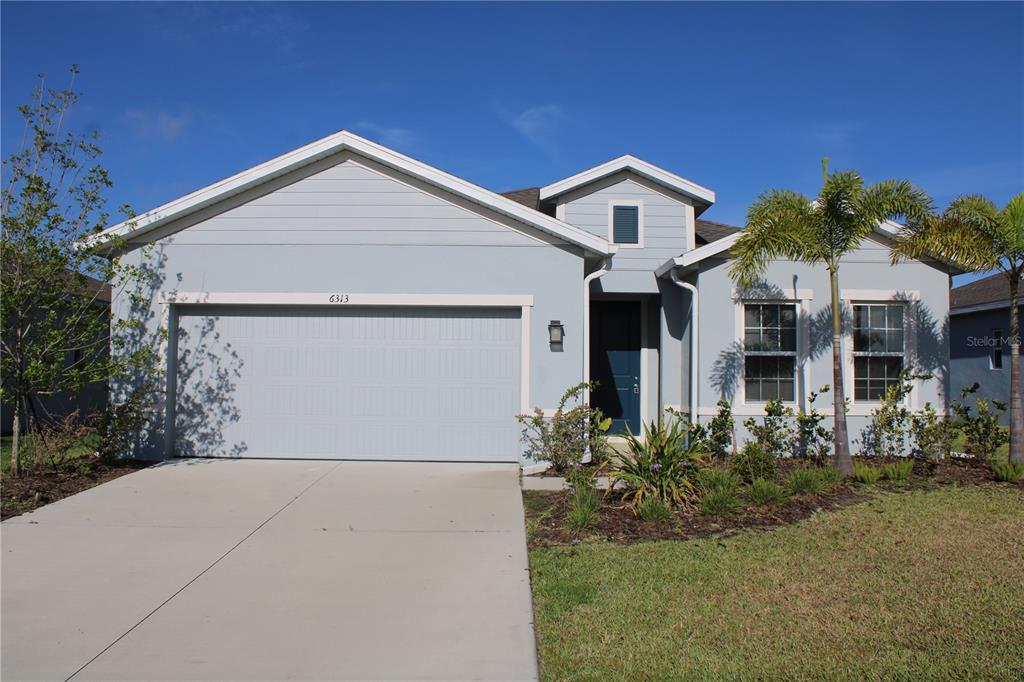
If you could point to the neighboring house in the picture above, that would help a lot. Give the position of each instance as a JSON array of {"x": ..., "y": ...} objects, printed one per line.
[
  {"x": 91, "y": 400},
  {"x": 979, "y": 338},
  {"x": 346, "y": 301}
]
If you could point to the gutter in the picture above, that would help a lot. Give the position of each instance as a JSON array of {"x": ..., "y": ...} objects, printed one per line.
[
  {"x": 602, "y": 270},
  {"x": 694, "y": 339}
]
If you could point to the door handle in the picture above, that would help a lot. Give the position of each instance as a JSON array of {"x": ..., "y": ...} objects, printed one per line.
[{"x": 636, "y": 388}]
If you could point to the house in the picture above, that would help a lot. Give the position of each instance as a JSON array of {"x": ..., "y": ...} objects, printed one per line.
[
  {"x": 979, "y": 338},
  {"x": 92, "y": 398},
  {"x": 346, "y": 301}
]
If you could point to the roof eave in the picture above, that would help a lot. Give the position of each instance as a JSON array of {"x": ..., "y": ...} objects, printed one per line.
[{"x": 670, "y": 180}]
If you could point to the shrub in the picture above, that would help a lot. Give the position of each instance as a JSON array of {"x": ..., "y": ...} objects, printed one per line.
[
  {"x": 897, "y": 472},
  {"x": 569, "y": 434},
  {"x": 933, "y": 437},
  {"x": 653, "y": 509},
  {"x": 886, "y": 433},
  {"x": 865, "y": 473},
  {"x": 805, "y": 480},
  {"x": 719, "y": 501},
  {"x": 715, "y": 437},
  {"x": 584, "y": 505},
  {"x": 714, "y": 478},
  {"x": 55, "y": 443},
  {"x": 122, "y": 422},
  {"x": 830, "y": 476},
  {"x": 773, "y": 434},
  {"x": 983, "y": 434},
  {"x": 766, "y": 493},
  {"x": 811, "y": 440},
  {"x": 754, "y": 462},
  {"x": 662, "y": 465},
  {"x": 1008, "y": 471}
]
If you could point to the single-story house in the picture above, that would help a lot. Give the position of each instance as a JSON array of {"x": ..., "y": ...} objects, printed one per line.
[
  {"x": 347, "y": 301},
  {"x": 979, "y": 338}
]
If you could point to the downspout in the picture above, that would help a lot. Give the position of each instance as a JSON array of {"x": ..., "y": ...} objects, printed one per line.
[
  {"x": 602, "y": 270},
  {"x": 694, "y": 339}
]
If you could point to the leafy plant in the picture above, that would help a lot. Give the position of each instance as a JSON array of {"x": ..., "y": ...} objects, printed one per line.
[
  {"x": 983, "y": 434},
  {"x": 811, "y": 440},
  {"x": 653, "y": 509},
  {"x": 719, "y": 491},
  {"x": 57, "y": 441},
  {"x": 933, "y": 437},
  {"x": 121, "y": 422},
  {"x": 1008, "y": 471},
  {"x": 823, "y": 231},
  {"x": 897, "y": 472},
  {"x": 714, "y": 478},
  {"x": 766, "y": 493},
  {"x": 715, "y": 437},
  {"x": 805, "y": 480},
  {"x": 773, "y": 434},
  {"x": 571, "y": 432},
  {"x": 887, "y": 433},
  {"x": 865, "y": 473},
  {"x": 752, "y": 461},
  {"x": 584, "y": 504},
  {"x": 662, "y": 465}
]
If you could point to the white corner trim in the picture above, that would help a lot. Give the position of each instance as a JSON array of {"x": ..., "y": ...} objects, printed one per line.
[
  {"x": 524, "y": 358},
  {"x": 343, "y": 299},
  {"x": 328, "y": 146},
  {"x": 638, "y": 166},
  {"x": 639, "y": 204}
]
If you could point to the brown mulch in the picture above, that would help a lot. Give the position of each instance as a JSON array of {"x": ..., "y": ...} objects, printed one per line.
[
  {"x": 42, "y": 485},
  {"x": 617, "y": 522}
]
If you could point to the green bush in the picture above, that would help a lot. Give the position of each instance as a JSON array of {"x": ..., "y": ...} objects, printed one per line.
[
  {"x": 714, "y": 478},
  {"x": 1008, "y": 471},
  {"x": 806, "y": 480},
  {"x": 720, "y": 501},
  {"x": 715, "y": 437},
  {"x": 934, "y": 436},
  {"x": 983, "y": 434},
  {"x": 754, "y": 461},
  {"x": 766, "y": 493},
  {"x": 570, "y": 433},
  {"x": 897, "y": 472},
  {"x": 663, "y": 464},
  {"x": 584, "y": 504},
  {"x": 653, "y": 509},
  {"x": 773, "y": 434},
  {"x": 865, "y": 473}
]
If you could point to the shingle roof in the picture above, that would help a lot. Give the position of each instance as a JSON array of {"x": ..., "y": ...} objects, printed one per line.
[
  {"x": 709, "y": 231},
  {"x": 991, "y": 289},
  {"x": 529, "y": 197}
]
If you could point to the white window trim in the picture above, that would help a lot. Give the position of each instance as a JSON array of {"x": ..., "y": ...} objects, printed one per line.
[
  {"x": 801, "y": 298},
  {"x": 850, "y": 297},
  {"x": 612, "y": 203},
  {"x": 170, "y": 301}
]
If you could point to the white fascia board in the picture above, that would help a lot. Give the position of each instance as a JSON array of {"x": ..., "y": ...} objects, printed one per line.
[
  {"x": 628, "y": 162},
  {"x": 980, "y": 307},
  {"x": 334, "y": 144},
  {"x": 691, "y": 258}
]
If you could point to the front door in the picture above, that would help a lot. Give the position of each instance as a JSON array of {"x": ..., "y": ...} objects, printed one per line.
[{"x": 615, "y": 362}]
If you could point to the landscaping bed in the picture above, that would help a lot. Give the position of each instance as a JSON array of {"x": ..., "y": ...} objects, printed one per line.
[{"x": 39, "y": 485}]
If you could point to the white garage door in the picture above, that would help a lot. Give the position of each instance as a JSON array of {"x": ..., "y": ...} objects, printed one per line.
[{"x": 351, "y": 383}]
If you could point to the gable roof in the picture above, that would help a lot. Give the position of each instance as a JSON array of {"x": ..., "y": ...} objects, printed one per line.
[
  {"x": 989, "y": 292},
  {"x": 691, "y": 189},
  {"x": 334, "y": 144},
  {"x": 529, "y": 197},
  {"x": 709, "y": 231}
]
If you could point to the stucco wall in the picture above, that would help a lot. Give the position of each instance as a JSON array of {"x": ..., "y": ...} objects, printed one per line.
[
  {"x": 866, "y": 275},
  {"x": 349, "y": 225}
]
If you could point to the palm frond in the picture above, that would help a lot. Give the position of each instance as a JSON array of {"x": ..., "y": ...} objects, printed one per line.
[
  {"x": 947, "y": 239},
  {"x": 780, "y": 224},
  {"x": 1013, "y": 219}
]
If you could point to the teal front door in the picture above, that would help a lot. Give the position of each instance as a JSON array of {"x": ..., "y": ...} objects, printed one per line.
[{"x": 615, "y": 362}]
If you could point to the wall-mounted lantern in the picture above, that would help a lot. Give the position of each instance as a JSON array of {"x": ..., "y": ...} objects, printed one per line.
[{"x": 556, "y": 332}]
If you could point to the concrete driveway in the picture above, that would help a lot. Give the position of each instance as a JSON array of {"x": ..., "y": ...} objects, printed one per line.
[{"x": 273, "y": 570}]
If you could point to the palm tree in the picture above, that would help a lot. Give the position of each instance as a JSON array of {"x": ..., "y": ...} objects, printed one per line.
[
  {"x": 789, "y": 225},
  {"x": 972, "y": 234}
]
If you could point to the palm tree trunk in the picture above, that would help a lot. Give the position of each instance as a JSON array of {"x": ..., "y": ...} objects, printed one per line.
[
  {"x": 841, "y": 438},
  {"x": 1016, "y": 403}
]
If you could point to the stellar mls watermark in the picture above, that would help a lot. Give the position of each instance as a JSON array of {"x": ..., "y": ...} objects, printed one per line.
[{"x": 989, "y": 341}]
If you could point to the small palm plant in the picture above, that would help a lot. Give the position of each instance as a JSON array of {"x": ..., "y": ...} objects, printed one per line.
[
  {"x": 663, "y": 465},
  {"x": 786, "y": 224},
  {"x": 973, "y": 234}
]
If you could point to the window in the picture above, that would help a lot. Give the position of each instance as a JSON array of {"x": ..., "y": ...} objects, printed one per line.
[
  {"x": 626, "y": 224},
  {"x": 877, "y": 349},
  {"x": 769, "y": 351},
  {"x": 995, "y": 360}
]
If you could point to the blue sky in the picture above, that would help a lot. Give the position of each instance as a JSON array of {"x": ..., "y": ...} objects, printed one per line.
[{"x": 737, "y": 97}]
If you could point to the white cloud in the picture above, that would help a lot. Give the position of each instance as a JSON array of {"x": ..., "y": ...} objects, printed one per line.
[
  {"x": 389, "y": 136},
  {"x": 157, "y": 125},
  {"x": 540, "y": 123}
]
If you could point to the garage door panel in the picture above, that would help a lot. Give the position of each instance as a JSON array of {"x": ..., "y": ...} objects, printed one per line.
[{"x": 439, "y": 384}]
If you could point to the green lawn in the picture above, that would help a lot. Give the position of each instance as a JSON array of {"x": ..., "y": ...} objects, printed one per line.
[{"x": 916, "y": 585}]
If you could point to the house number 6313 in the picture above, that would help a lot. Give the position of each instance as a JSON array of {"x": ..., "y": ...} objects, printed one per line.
[{"x": 338, "y": 298}]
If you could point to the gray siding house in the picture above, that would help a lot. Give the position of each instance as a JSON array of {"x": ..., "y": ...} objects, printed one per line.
[
  {"x": 979, "y": 338},
  {"x": 346, "y": 301}
]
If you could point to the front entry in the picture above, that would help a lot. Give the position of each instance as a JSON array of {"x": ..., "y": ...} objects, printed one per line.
[{"x": 615, "y": 362}]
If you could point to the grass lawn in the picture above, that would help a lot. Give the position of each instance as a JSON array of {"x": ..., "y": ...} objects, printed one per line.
[{"x": 927, "y": 584}]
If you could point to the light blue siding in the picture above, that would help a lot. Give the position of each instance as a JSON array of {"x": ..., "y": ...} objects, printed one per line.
[{"x": 970, "y": 354}]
